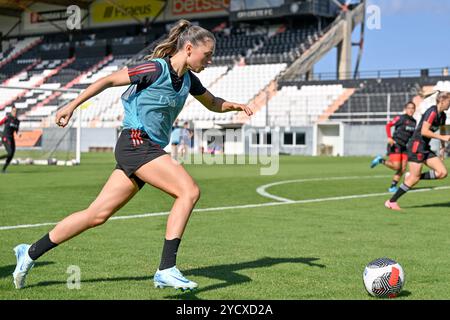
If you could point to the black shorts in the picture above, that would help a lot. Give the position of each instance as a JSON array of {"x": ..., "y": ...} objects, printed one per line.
[
  {"x": 419, "y": 152},
  {"x": 396, "y": 149},
  {"x": 134, "y": 149}
]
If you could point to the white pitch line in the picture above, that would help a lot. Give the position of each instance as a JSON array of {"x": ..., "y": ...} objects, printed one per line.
[
  {"x": 246, "y": 206},
  {"x": 261, "y": 190}
]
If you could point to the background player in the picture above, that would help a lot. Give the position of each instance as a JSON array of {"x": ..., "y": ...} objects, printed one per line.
[
  {"x": 404, "y": 126},
  {"x": 419, "y": 149},
  {"x": 11, "y": 126}
]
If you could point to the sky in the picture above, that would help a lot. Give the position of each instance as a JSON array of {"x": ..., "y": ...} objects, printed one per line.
[{"x": 410, "y": 34}]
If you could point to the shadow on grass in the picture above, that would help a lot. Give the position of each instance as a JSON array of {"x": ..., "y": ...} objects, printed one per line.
[
  {"x": 6, "y": 271},
  {"x": 226, "y": 273},
  {"x": 402, "y": 294},
  {"x": 433, "y": 205}
]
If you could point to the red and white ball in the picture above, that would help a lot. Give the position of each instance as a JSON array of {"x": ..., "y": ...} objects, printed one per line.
[{"x": 384, "y": 278}]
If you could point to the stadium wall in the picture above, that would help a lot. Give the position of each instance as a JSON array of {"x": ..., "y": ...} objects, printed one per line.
[
  {"x": 364, "y": 140},
  {"x": 90, "y": 138},
  {"x": 369, "y": 140},
  {"x": 277, "y": 137},
  {"x": 98, "y": 138}
]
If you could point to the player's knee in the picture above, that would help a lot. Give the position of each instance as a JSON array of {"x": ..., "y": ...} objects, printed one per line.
[
  {"x": 98, "y": 217},
  {"x": 192, "y": 193},
  {"x": 195, "y": 193},
  {"x": 97, "y": 221},
  {"x": 441, "y": 174}
]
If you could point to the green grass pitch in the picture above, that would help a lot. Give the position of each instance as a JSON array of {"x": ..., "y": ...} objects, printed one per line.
[{"x": 299, "y": 250}]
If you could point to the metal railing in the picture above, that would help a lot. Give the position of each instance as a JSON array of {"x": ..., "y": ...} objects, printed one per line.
[{"x": 381, "y": 74}]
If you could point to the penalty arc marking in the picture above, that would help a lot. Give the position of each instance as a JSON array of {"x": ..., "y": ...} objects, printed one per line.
[{"x": 262, "y": 189}]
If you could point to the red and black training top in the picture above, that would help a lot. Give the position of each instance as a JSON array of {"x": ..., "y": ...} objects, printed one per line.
[
  {"x": 435, "y": 119},
  {"x": 146, "y": 73},
  {"x": 11, "y": 125},
  {"x": 404, "y": 129}
]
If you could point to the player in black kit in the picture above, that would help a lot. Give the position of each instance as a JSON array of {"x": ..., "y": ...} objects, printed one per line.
[
  {"x": 11, "y": 125},
  {"x": 404, "y": 126},
  {"x": 419, "y": 150}
]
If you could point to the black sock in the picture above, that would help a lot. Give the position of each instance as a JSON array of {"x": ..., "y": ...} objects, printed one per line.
[
  {"x": 401, "y": 191},
  {"x": 430, "y": 175},
  {"x": 394, "y": 183},
  {"x": 6, "y": 164},
  {"x": 169, "y": 254},
  {"x": 40, "y": 247}
]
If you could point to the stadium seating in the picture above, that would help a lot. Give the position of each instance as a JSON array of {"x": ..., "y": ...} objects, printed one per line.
[
  {"x": 69, "y": 72},
  {"x": 293, "y": 106},
  {"x": 75, "y": 61},
  {"x": 231, "y": 46},
  {"x": 375, "y": 100},
  {"x": 16, "y": 48},
  {"x": 207, "y": 77},
  {"x": 240, "y": 84},
  {"x": 262, "y": 47},
  {"x": 14, "y": 60},
  {"x": 285, "y": 46}
]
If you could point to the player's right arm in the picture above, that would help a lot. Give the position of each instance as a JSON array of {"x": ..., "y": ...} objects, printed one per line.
[
  {"x": 115, "y": 79},
  {"x": 389, "y": 125},
  {"x": 426, "y": 132}
]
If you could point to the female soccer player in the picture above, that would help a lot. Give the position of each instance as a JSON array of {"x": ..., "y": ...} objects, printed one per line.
[
  {"x": 419, "y": 150},
  {"x": 11, "y": 125},
  {"x": 404, "y": 125},
  {"x": 156, "y": 96}
]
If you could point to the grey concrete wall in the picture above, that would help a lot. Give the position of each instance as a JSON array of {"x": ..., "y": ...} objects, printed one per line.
[{"x": 364, "y": 140}]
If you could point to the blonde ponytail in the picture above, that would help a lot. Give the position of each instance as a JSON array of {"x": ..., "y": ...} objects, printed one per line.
[
  {"x": 182, "y": 32},
  {"x": 442, "y": 95}
]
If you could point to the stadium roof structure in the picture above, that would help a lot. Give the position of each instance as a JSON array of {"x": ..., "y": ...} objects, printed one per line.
[{"x": 14, "y": 8}]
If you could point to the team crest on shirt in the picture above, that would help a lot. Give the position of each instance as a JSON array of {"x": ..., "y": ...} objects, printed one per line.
[
  {"x": 171, "y": 102},
  {"x": 168, "y": 101}
]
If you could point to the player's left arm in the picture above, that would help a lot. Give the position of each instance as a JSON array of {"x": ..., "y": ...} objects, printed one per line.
[{"x": 217, "y": 104}]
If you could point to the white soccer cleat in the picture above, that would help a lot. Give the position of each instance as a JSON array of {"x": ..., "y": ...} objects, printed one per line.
[
  {"x": 24, "y": 264},
  {"x": 172, "y": 277}
]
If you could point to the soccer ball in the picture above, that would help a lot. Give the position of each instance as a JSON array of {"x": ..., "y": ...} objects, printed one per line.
[{"x": 384, "y": 278}]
